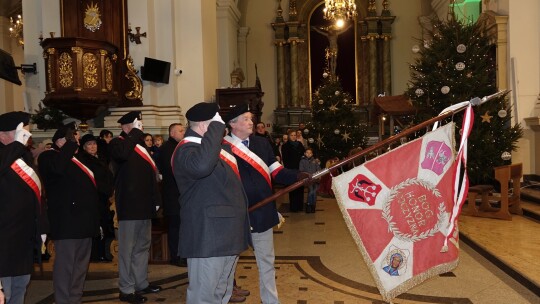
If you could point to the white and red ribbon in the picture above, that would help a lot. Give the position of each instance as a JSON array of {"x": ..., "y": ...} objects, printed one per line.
[
  {"x": 29, "y": 176},
  {"x": 224, "y": 155},
  {"x": 146, "y": 156},
  {"x": 85, "y": 169},
  {"x": 253, "y": 159}
]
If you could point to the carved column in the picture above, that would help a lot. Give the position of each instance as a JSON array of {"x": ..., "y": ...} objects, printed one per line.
[
  {"x": 293, "y": 40},
  {"x": 386, "y": 34},
  {"x": 372, "y": 35},
  {"x": 279, "y": 27},
  {"x": 242, "y": 48}
]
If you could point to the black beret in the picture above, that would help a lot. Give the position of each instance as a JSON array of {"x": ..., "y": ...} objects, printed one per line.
[
  {"x": 130, "y": 117},
  {"x": 9, "y": 121},
  {"x": 236, "y": 111},
  {"x": 202, "y": 111},
  {"x": 61, "y": 132},
  {"x": 86, "y": 138}
]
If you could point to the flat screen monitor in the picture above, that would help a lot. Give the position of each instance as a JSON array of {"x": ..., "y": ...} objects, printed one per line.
[
  {"x": 8, "y": 70},
  {"x": 155, "y": 70}
]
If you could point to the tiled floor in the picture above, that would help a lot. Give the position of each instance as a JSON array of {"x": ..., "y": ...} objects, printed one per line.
[{"x": 317, "y": 262}]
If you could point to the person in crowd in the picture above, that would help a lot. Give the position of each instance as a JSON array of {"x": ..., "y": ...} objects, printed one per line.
[
  {"x": 137, "y": 201},
  {"x": 104, "y": 182},
  {"x": 20, "y": 187},
  {"x": 276, "y": 146},
  {"x": 158, "y": 142},
  {"x": 260, "y": 130},
  {"x": 148, "y": 141},
  {"x": 171, "y": 206},
  {"x": 258, "y": 167},
  {"x": 311, "y": 165},
  {"x": 73, "y": 209},
  {"x": 105, "y": 137},
  {"x": 292, "y": 152},
  {"x": 214, "y": 223},
  {"x": 300, "y": 138}
]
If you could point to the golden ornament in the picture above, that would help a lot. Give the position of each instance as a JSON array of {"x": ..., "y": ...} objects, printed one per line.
[
  {"x": 92, "y": 20},
  {"x": 486, "y": 117}
]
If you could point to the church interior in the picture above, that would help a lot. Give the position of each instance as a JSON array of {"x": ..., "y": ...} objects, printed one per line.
[{"x": 96, "y": 60}]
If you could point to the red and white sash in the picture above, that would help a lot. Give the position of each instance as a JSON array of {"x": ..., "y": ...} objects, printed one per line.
[
  {"x": 29, "y": 176},
  {"x": 240, "y": 150},
  {"x": 144, "y": 154},
  {"x": 85, "y": 169},
  {"x": 224, "y": 155}
]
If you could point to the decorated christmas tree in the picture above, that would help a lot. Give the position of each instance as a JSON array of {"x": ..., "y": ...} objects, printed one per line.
[
  {"x": 456, "y": 63},
  {"x": 334, "y": 129}
]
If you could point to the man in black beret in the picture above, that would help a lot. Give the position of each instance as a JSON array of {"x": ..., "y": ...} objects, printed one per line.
[
  {"x": 73, "y": 210},
  {"x": 258, "y": 166},
  {"x": 137, "y": 200},
  {"x": 21, "y": 196},
  {"x": 214, "y": 225}
]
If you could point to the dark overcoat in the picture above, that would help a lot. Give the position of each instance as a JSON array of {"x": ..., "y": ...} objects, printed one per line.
[
  {"x": 136, "y": 189},
  {"x": 213, "y": 212},
  {"x": 18, "y": 214},
  {"x": 256, "y": 186},
  {"x": 72, "y": 196},
  {"x": 170, "y": 193}
]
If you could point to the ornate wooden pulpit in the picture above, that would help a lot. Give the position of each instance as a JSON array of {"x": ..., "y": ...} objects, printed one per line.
[{"x": 79, "y": 76}]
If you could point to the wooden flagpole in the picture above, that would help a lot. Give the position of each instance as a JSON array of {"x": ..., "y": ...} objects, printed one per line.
[{"x": 445, "y": 114}]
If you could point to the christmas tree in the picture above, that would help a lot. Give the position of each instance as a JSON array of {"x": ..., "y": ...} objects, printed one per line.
[
  {"x": 456, "y": 63},
  {"x": 334, "y": 129}
]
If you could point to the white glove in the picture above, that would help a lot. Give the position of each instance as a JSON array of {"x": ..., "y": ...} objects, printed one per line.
[
  {"x": 217, "y": 118},
  {"x": 43, "y": 238},
  {"x": 21, "y": 134},
  {"x": 157, "y": 208},
  {"x": 137, "y": 124}
]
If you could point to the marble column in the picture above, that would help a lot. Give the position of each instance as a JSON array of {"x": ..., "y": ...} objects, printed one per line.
[
  {"x": 243, "y": 32},
  {"x": 282, "y": 101}
]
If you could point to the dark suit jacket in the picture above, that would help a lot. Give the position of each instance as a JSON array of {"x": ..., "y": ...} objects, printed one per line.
[
  {"x": 257, "y": 188},
  {"x": 213, "y": 213},
  {"x": 136, "y": 188},
  {"x": 171, "y": 206},
  {"x": 72, "y": 198},
  {"x": 18, "y": 213}
]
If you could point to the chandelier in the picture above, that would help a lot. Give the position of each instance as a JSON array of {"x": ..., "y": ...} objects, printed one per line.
[
  {"x": 339, "y": 10},
  {"x": 16, "y": 29}
]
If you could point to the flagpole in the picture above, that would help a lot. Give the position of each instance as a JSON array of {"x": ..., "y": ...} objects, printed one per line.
[{"x": 448, "y": 112}]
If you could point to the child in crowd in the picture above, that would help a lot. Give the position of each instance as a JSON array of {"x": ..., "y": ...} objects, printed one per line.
[{"x": 310, "y": 165}]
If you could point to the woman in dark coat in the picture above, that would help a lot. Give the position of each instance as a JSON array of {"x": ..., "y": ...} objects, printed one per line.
[
  {"x": 292, "y": 151},
  {"x": 104, "y": 182}
]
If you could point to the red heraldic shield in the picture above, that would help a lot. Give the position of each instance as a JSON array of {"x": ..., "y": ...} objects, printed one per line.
[{"x": 398, "y": 208}]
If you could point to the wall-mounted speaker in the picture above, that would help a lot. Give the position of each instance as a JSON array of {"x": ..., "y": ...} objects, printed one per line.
[{"x": 155, "y": 70}]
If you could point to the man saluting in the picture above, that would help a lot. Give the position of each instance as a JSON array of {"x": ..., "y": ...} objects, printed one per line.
[
  {"x": 214, "y": 227},
  {"x": 21, "y": 193}
]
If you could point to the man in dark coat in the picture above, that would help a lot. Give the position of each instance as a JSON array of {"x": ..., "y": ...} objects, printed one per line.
[
  {"x": 258, "y": 167},
  {"x": 291, "y": 153},
  {"x": 73, "y": 209},
  {"x": 20, "y": 188},
  {"x": 214, "y": 224},
  {"x": 171, "y": 206},
  {"x": 137, "y": 200}
]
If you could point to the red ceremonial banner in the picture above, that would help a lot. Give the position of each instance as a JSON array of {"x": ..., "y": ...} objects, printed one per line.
[{"x": 401, "y": 209}]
